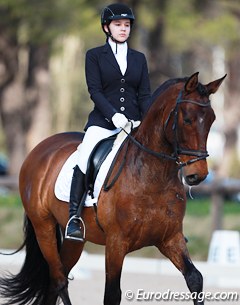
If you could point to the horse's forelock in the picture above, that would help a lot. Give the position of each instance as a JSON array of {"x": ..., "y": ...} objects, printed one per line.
[{"x": 202, "y": 90}]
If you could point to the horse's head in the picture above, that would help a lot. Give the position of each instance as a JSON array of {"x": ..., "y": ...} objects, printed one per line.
[{"x": 187, "y": 126}]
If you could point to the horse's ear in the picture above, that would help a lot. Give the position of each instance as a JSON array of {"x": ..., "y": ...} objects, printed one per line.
[
  {"x": 192, "y": 83},
  {"x": 213, "y": 86}
]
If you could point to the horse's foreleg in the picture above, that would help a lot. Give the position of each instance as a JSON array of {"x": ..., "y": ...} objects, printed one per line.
[
  {"x": 194, "y": 281},
  {"x": 115, "y": 253},
  {"x": 176, "y": 250}
]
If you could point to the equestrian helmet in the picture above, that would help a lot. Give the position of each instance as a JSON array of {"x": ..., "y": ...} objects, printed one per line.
[{"x": 116, "y": 11}]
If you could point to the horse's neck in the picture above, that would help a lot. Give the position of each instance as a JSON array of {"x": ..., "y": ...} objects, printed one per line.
[{"x": 151, "y": 131}]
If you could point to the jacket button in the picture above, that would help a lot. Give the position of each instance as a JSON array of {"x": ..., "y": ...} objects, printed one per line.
[
  {"x": 122, "y": 108},
  {"x": 123, "y": 80},
  {"x": 122, "y": 89},
  {"x": 122, "y": 99}
]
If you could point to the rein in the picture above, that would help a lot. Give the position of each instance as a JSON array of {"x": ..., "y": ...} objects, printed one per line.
[{"x": 148, "y": 150}]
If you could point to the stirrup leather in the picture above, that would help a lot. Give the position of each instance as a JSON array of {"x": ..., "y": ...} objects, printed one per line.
[{"x": 82, "y": 225}]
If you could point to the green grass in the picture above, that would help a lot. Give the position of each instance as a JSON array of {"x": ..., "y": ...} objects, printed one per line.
[
  {"x": 198, "y": 207},
  {"x": 11, "y": 221},
  {"x": 10, "y": 201},
  {"x": 202, "y": 207},
  {"x": 197, "y": 226}
]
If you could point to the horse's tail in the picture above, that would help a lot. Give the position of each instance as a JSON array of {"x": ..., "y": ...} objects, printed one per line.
[{"x": 31, "y": 284}]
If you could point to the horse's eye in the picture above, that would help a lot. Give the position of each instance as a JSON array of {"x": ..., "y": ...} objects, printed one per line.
[{"x": 187, "y": 121}]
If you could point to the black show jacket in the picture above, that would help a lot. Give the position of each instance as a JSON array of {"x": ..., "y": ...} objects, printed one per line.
[{"x": 113, "y": 92}]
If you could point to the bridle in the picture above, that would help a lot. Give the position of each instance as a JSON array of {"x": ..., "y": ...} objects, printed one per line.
[
  {"x": 199, "y": 154},
  {"x": 178, "y": 151}
]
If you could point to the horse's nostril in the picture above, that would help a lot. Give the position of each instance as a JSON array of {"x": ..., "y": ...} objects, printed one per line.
[{"x": 192, "y": 179}]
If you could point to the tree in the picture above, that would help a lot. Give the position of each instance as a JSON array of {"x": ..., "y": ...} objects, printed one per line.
[
  {"x": 24, "y": 82},
  {"x": 28, "y": 30}
]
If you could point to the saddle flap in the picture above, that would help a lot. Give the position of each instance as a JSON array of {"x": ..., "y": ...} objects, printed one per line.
[{"x": 97, "y": 157}]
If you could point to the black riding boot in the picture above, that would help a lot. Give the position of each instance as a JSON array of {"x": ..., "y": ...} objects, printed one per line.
[{"x": 75, "y": 228}]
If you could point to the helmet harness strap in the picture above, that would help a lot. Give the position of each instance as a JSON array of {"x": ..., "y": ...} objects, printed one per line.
[{"x": 109, "y": 35}]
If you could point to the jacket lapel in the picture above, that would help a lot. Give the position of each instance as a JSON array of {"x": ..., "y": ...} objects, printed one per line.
[
  {"x": 130, "y": 61},
  {"x": 110, "y": 57}
]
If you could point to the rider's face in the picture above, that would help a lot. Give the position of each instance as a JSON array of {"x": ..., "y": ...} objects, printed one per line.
[{"x": 120, "y": 29}]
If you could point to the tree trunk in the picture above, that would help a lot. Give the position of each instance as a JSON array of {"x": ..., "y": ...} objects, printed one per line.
[
  {"x": 231, "y": 160},
  {"x": 24, "y": 97},
  {"x": 38, "y": 96},
  {"x": 11, "y": 99}
]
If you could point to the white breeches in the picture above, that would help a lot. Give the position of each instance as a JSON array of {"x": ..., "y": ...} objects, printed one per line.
[{"x": 93, "y": 135}]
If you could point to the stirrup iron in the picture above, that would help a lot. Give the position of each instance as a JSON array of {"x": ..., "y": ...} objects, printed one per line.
[{"x": 81, "y": 225}]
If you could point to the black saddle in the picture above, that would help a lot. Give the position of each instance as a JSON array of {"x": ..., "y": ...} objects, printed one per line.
[{"x": 96, "y": 159}]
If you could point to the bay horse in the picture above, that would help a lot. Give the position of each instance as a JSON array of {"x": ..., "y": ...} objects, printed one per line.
[{"x": 144, "y": 207}]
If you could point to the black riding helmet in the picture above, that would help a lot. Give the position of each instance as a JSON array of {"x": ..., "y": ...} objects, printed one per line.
[{"x": 116, "y": 11}]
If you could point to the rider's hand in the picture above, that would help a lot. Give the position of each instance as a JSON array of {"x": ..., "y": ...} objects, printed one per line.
[
  {"x": 135, "y": 123},
  {"x": 119, "y": 120}
]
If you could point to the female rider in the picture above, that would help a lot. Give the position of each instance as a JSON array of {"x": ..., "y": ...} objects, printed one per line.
[{"x": 118, "y": 83}]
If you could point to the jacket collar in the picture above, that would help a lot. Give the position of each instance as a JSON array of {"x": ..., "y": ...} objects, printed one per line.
[{"x": 112, "y": 60}]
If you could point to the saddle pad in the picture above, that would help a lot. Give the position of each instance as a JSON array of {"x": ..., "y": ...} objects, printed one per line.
[{"x": 64, "y": 179}]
